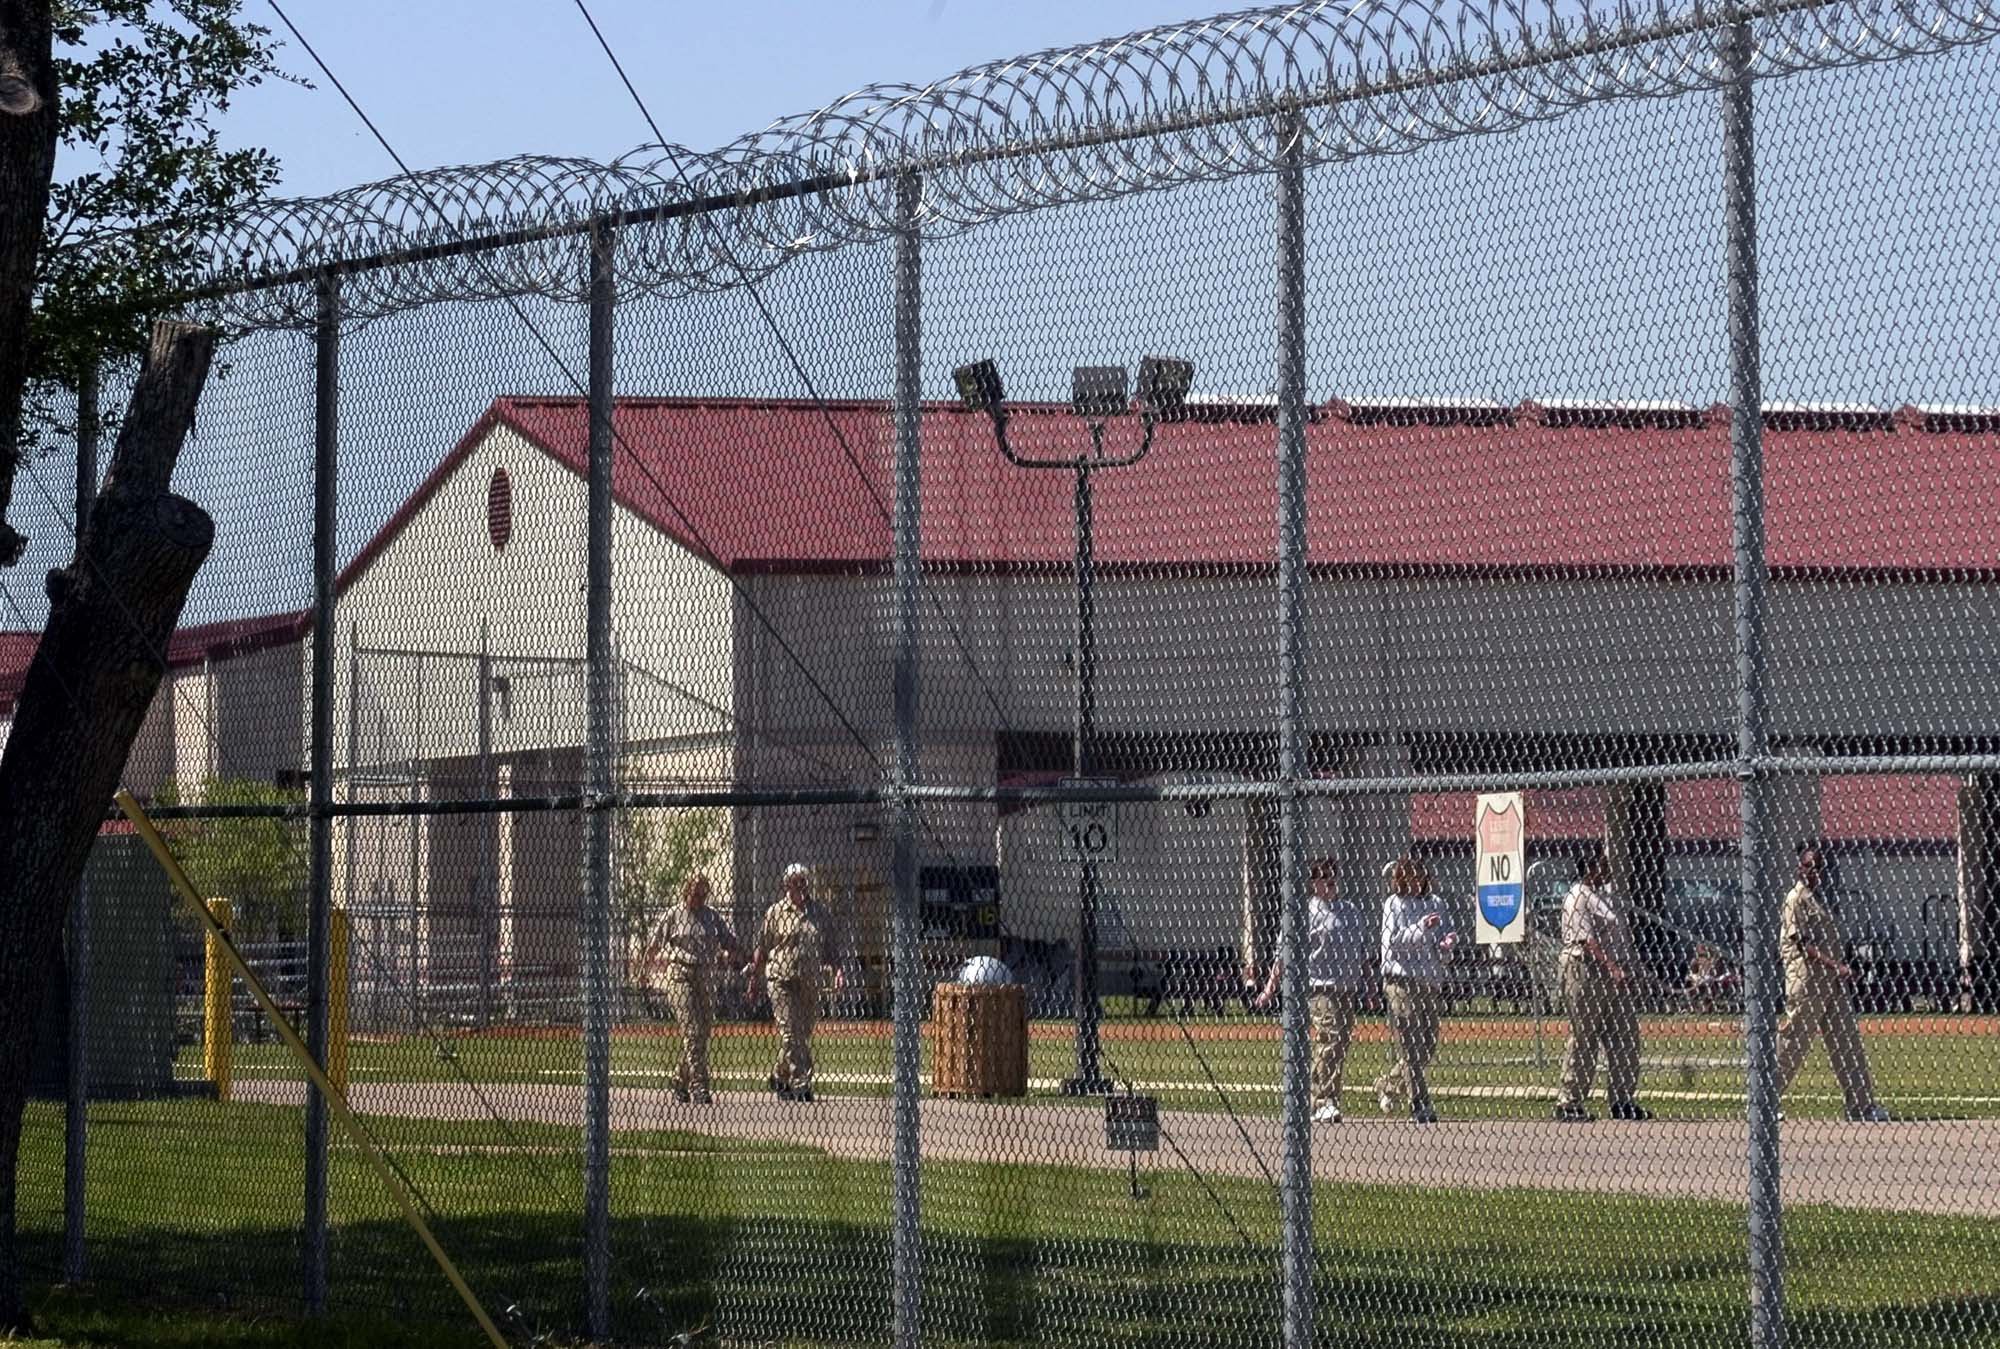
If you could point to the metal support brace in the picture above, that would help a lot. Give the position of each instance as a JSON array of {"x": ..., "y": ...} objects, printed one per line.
[
  {"x": 1755, "y": 877},
  {"x": 1295, "y": 1169},
  {"x": 596, "y": 819},
  {"x": 319, "y": 903},
  {"x": 907, "y": 970}
]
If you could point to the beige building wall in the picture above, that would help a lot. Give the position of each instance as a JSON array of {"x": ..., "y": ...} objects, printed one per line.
[
  {"x": 480, "y": 893},
  {"x": 151, "y": 764},
  {"x": 441, "y": 586}
]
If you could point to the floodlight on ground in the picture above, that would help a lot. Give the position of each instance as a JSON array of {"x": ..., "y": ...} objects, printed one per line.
[
  {"x": 1163, "y": 386},
  {"x": 979, "y": 387},
  {"x": 1097, "y": 391}
]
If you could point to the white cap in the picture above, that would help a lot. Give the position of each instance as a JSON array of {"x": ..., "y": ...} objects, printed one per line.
[{"x": 797, "y": 869}]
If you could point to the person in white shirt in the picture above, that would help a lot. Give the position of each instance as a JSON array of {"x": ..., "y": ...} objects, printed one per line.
[
  {"x": 1598, "y": 965},
  {"x": 1417, "y": 939},
  {"x": 1336, "y": 972}
]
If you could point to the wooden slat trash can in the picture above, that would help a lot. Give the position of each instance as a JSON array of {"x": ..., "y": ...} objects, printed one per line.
[{"x": 979, "y": 1040}]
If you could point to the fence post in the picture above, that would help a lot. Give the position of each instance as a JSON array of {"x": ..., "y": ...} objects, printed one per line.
[
  {"x": 485, "y": 891},
  {"x": 319, "y": 903},
  {"x": 1758, "y": 896},
  {"x": 338, "y": 970},
  {"x": 907, "y": 992},
  {"x": 76, "y": 1093},
  {"x": 597, "y": 792},
  {"x": 218, "y": 1026},
  {"x": 1295, "y": 1183}
]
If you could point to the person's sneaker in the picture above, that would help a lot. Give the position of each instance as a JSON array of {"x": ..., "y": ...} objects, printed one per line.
[
  {"x": 1631, "y": 1110},
  {"x": 1382, "y": 1100},
  {"x": 802, "y": 1094},
  {"x": 702, "y": 1097},
  {"x": 680, "y": 1091},
  {"x": 779, "y": 1089},
  {"x": 1328, "y": 1113},
  {"x": 1874, "y": 1114},
  {"x": 1573, "y": 1114},
  {"x": 1423, "y": 1114}
]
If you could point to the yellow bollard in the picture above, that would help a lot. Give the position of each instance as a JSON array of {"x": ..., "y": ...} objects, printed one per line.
[
  {"x": 336, "y": 1001},
  {"x": 218, "y": 1029}
]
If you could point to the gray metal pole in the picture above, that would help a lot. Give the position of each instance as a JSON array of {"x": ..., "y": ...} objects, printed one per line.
[
  {"x": 485, "y": 879},
  {"x": 319, "y": 903},
  {"x": 907, "y": 993},
  {"x": 1295, "y": 1167},
  {"x": 76, "y": 1097},
  {"x": 419, "y": 880},
  {"x": 597, "y": 819},
  {"x": 1758, "y": 894},
  {"x": 1089, "y": 1008},
  {"x": 351, "y": 846}
]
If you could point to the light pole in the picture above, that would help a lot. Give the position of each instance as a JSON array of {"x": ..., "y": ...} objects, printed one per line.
[{"x": 1097, "y": 394}]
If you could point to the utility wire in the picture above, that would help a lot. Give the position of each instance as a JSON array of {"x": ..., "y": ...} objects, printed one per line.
[
  {"x": 749, "y": 284},
  {"x": 541, "y": 340}
]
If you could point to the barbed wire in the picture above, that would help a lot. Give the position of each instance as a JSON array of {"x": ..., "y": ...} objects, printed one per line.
[{"x": 1154, "y": 109}]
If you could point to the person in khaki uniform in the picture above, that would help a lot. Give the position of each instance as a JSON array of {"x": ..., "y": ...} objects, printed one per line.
[
  {"x": 1336, "y": 969},
  {"x": 1817, "y": 997},
  {"x": 795, "y": 943},
  {"x": 1597, "y": 965},
  {"x": 1417, "y": 938},
  {"x": 689, "y": 942}
]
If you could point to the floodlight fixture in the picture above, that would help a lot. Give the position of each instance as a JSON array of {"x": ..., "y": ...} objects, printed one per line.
[
  {"x": 979, "y": 387},
  {"x": 1097, "y": 391},
  {"x": 1163, "y": 386}
]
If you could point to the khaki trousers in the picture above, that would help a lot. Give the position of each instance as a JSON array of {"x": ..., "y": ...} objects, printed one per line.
[
  {"x": 1817, "y": 1003},
  {"x": 795, "y": 1007},
  {"x": 1414, "y": 1011},
  {"x": 693, "y": 1006},
  {"x": 1602, "y": 1016},
  {"x": 1333, "y": 1025}
]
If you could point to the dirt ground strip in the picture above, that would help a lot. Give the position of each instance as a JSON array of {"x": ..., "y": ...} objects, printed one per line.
[{"x": 1950, "y": 1167}]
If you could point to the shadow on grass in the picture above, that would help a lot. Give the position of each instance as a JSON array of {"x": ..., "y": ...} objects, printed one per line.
[{"x": 775, "y": 1280}]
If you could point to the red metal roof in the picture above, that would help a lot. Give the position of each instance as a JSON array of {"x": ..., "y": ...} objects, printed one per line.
[
  {"x": 1902, "y": 809},
  {"x": 189, "y": 646},
  {"x": 16, "y": 650},
  {"x": 779, "y": 484}
]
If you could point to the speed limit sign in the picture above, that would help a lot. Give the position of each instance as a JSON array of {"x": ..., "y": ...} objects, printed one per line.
[{"x": 1091, "y": 827}]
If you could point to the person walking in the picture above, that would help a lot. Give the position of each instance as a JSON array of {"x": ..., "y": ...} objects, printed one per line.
[
  {"x": 795, "y": 944},
  {"x": 1597, "y": 967},
  {"x": 1336, "y": 969},
  {"x": 1417, "y": 938},
  {"x": 1818, "y": 997},
  {"x": 690, "y": 942}
]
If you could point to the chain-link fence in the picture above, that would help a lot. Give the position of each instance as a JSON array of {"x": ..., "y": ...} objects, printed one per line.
[{"x": 1070, "y": 706}]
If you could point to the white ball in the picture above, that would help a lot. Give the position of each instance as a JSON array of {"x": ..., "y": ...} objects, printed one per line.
[{"x": 984, "y": 970}]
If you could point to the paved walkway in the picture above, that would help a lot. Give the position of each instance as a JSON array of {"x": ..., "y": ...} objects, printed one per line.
[{"x": 1923, "y": 1167}]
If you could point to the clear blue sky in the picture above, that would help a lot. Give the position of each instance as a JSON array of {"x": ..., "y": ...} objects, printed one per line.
[
  {"x": 1579, "y": 257},
  {"x": 466, "y": 81}
]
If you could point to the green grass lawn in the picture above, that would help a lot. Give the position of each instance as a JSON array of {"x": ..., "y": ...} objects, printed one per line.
[
  {"x": 1693, "y": 1064},
  {"x": 194, "y": 1209}
]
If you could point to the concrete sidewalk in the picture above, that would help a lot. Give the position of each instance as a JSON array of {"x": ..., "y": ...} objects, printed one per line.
[{"x": 1921, "y": 1167}]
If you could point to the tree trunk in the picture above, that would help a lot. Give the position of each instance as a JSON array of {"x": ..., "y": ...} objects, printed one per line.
[
  {"x": 28, "y": 107},
  {"x": 86, "y": 694}
]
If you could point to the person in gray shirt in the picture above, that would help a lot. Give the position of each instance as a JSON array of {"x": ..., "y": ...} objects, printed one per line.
[
  {"x": 1337, "y": 952},
  {"x": 1417, "y": 938}
]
